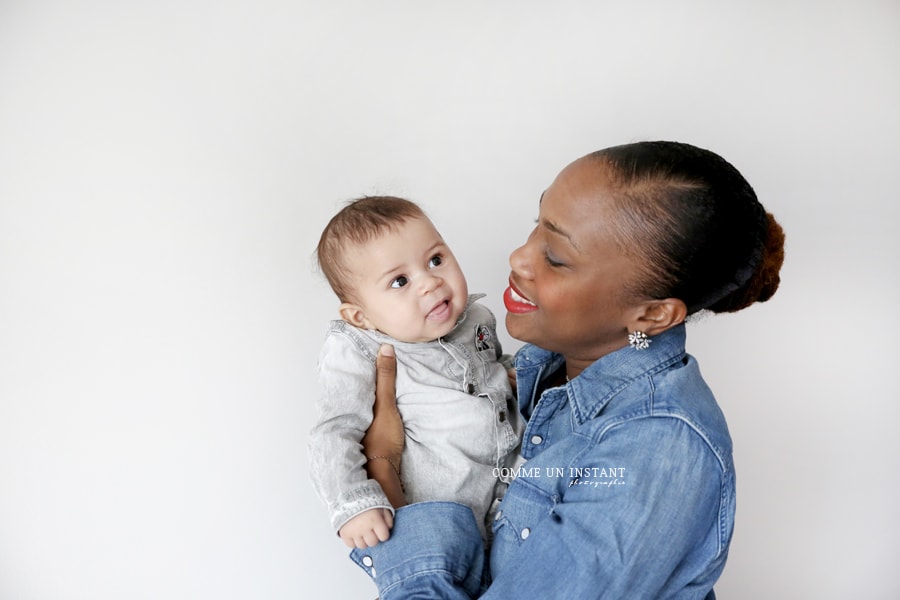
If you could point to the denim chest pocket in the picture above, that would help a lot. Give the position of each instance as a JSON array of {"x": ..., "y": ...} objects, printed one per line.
[{"x": 523, "y": 507}]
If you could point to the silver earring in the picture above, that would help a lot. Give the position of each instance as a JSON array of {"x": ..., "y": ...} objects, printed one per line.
[{"x": 639, "y": 340}]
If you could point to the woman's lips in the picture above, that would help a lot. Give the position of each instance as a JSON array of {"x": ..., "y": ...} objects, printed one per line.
[{"x": 517, "y": 303}]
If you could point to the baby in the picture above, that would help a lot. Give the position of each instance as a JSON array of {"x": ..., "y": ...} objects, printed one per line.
[{"x": 399, "y": 283}]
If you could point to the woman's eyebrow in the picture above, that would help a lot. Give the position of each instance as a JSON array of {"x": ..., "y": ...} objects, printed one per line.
[{"x": 554, "y": 228}]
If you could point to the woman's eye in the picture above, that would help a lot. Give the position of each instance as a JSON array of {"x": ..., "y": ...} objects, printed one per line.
[
  {"x": 552, "y": 261},
  {"x": 435, "y": 261},
  {"x": 399, "y": 282}
]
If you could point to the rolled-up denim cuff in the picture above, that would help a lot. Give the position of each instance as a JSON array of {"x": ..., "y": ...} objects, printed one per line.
[{"x": 435, "y": 551}]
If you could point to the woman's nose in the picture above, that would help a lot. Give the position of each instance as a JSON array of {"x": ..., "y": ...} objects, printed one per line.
[{"x": 520, "y": 263}]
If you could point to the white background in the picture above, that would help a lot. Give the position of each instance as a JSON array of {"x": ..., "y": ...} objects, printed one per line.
[{"x": 166, "y": 168}]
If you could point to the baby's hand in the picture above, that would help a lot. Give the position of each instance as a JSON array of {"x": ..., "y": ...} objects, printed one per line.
[{"x": 367, "y": 528}]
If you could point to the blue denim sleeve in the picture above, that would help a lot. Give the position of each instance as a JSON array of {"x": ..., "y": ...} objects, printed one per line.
[{"x": 435, "y": 551}]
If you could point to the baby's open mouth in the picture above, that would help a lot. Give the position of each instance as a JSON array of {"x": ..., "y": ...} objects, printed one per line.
[{"x": 440, "y": 312}]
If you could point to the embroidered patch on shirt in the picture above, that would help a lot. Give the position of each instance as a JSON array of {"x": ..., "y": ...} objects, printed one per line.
[{"x": 482, "y": 338}]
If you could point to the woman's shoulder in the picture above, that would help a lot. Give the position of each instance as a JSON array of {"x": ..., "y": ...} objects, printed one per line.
[
  {"x": 668, "y": 435},
  {"x": 682, "y": 393},
  {"x": 669, "y": 405},
  {"x": 663, "y": 433}
]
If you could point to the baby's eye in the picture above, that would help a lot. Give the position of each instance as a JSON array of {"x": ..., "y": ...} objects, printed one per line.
[
  {"x": 399, "y": 282},
  {"x": 435, "y": 261}
]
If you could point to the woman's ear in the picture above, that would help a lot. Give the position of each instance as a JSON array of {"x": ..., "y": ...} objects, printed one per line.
[
  {"x": 354, "y": 314},
  {"x": 657, "y": 316}
]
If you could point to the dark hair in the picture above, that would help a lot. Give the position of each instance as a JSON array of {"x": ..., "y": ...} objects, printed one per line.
[
  {"x": 696, "y": 224},
  {"x": 357, "y": 223}
]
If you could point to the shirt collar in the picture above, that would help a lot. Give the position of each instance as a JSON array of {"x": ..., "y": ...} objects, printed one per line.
[
  {"x": 457, "y": 331},
  {"x": 604, "y": 378}
]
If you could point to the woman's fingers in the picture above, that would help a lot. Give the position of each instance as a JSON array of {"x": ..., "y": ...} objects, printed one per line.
[
  {"x": 385, "y": 378},
  {"x": 385, "y": 436}
]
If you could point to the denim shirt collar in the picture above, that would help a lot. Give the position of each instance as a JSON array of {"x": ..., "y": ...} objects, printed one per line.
[{"x": 604, "y": 378}]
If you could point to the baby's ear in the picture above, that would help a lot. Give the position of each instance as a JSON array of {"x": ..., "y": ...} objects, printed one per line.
[{"x": 353, "y": 314}]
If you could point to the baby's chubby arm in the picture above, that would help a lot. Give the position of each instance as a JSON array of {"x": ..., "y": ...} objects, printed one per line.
[
  {"x": 367, "y": 528},
  {"x": 383, "y": 441},
  {"x": 345, "y": 410}
]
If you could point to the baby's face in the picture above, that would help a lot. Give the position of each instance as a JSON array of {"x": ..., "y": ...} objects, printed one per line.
[{"x": 407, "y": 283}]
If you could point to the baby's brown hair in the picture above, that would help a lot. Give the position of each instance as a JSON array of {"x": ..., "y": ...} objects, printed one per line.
[{"x": 358, "y": 222}]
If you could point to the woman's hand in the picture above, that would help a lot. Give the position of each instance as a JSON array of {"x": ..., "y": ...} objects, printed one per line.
[{"x": 384, "y": 440}]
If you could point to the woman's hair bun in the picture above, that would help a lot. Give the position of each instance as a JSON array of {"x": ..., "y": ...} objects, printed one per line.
[{"x": 765, "y": 280}]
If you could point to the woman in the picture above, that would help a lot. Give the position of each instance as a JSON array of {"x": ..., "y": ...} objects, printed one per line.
[{"x": 628, "y": 488}]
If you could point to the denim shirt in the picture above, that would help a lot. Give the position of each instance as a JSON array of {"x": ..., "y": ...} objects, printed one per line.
[
  {"x": 458, "y": 411},
  {"x": 628, "y": 492}
]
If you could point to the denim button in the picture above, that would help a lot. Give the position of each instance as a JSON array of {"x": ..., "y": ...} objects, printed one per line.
[
  {"x": 525, "y": 533},
  {"x": 502, "y": 416},
  {"x": 470, "y": 388},
  {"x": 536, "y": 439},
  {"x": 367, "y": 560}
]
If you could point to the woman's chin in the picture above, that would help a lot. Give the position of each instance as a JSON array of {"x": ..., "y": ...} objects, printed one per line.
[{"x": 516, "y": 327}]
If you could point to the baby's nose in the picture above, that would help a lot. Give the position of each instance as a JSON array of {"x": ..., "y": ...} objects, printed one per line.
[{"x": 430, "y": 283}]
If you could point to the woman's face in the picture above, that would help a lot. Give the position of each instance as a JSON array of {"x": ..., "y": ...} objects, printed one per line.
[{"x": 567, "y": 284}]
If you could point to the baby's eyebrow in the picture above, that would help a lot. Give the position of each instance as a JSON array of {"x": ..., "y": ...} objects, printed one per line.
[
  {"x": 391, "y": 272},
  {"x": 439, "y": 244}
]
